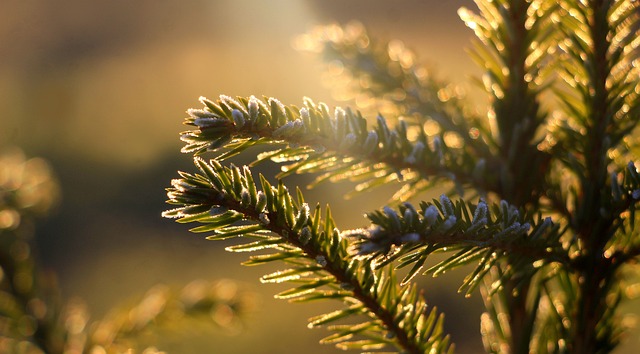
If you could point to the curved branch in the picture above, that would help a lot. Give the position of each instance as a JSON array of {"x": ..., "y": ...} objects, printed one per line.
[
  {"x": 388, "y": 71},
  {"x": 342, "y": 145},
  {"x": 221, "y": 197},
  {"x": 411, "y": 235}
]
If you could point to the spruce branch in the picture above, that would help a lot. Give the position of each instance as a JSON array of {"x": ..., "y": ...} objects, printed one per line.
[
  {"x": 339, "y": 146},
  {"x": 474, "y": 232},
  {"x": 601, "y": 72},
  {"x": 515, "y": 42},
  {"x": 387, "y": 71},
  {"x": 601, "y": 43},
  {"x": 228, "y": 204}
]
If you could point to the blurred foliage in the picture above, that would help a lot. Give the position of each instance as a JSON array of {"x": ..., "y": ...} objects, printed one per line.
[
  {"x": 30, "y": 305},
  {"x": 35, "y": 319}
]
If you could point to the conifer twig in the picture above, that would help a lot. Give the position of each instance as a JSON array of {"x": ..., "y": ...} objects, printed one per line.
[
  {"x": 341, "y": 146},
  {"x": 221, "y": 197}
]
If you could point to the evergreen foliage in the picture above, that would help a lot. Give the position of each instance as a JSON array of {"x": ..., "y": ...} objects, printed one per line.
[
  {"x": 546, "y": 181},
  {"x": 34, "y": 318}
]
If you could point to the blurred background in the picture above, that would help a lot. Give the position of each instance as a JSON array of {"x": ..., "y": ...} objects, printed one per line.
[{"x": 99, "y": 89}]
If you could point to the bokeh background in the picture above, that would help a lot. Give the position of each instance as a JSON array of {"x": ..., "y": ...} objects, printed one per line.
[{"x": 99, "y": 89}]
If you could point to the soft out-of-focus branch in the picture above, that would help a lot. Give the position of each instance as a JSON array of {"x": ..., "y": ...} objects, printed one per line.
[
  {"x": 30, "y": 310},
  {"x": 387, "y": 76},
  {"x": 33, "y": 316},
  {"x": 223, "y": 303}
]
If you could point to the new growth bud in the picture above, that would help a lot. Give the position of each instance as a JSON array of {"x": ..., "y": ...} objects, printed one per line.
[
  {"x": 305, "y": 235},
  {"x": 304, "y": 114},
  {"x": 245, "y": 197},
  {"x": 409, "y": 216},
  {"x": 302, "y": 217},
  {"x": 253, "y": 108},
  {"x": 261, "y": 203},
  {"x": 431, "y": 215},
  {"x": 447, "y": 205},
  {"x": 371, "y": 143},
  {"x": 394, "y": 218},
  {"x": 238, "y": 118},
  {"x": 416, "y": 153},
  {"x": 480, "y": 215}
]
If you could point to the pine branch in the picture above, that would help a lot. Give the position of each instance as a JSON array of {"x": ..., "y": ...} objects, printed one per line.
[
  {"x": 340, "y": 147},
  {"x": 220, "y": 198}
]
